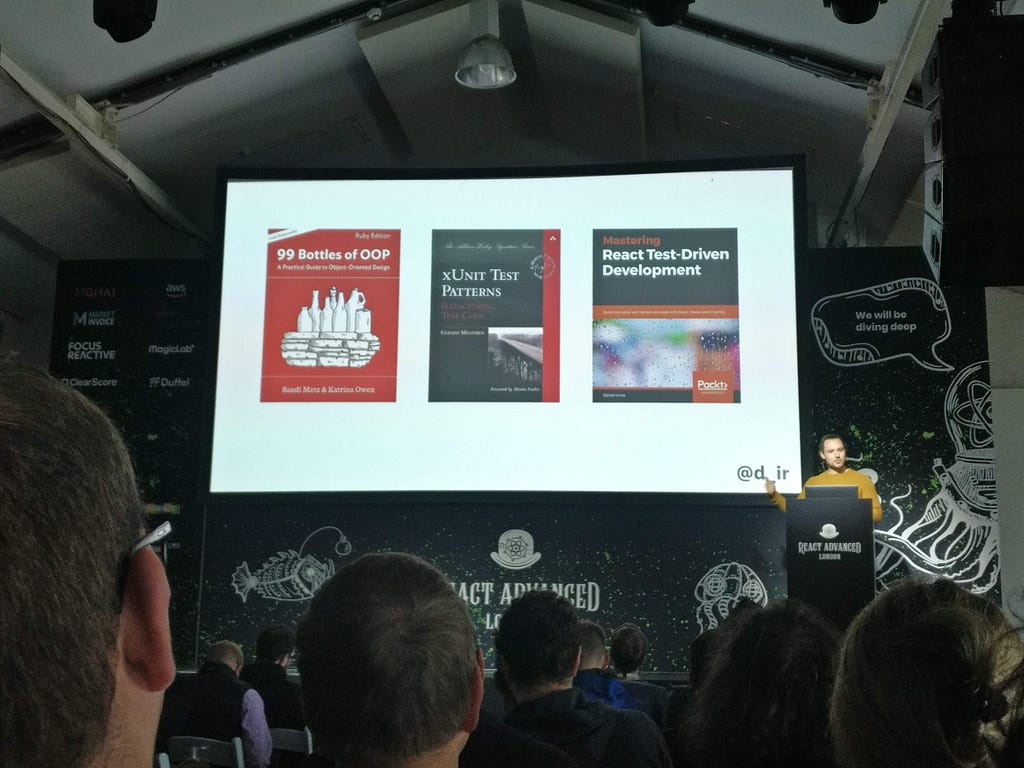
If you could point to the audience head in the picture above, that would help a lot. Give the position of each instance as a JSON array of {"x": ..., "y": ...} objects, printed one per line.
[
  {"x": 86, "y": 645},
  {"x": 389, "y": 664},
  {"x": 700, "y": 655},
  {"x": 922, "y": 679},
  {"x": 593, "y": 652},
  {"x": 629, "y": 648},
  {"x": 536, "y": 643},
  {"x": 227, "y": 653},
  {"x": 764, "y": 700},
  {"x": 275, "y": 644}
]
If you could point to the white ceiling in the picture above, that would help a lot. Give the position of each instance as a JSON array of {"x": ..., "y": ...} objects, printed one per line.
[{"x": 597, "y": 83}]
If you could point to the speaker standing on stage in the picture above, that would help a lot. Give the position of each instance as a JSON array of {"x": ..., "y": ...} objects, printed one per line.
[{"x": 832, "y": 451}]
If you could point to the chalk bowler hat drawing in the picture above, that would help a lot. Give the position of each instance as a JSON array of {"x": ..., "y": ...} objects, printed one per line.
[
  {"x": 828, "y": 531},
  {"x": 515, "y": 550}
]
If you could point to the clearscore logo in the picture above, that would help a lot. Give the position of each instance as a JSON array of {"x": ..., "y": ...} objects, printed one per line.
[
  {"x": 718, "y": 385},
  {"x": 176, "y": 290}
]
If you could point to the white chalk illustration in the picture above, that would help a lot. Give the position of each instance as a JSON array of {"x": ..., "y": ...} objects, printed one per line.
[
  {"x": 291, "y": 575},
  {"x": 515, "y": 550},
  {"x": 721, "y": 588},
  {"x": 958, "y": 535},
  {"x": 336, "y": 335},
  {"x": 902, "y": 318}
]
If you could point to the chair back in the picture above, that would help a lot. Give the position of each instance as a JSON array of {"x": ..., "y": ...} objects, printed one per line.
[
  {"x": 292, "y": 740},
  {"x": 195, "y": 749}
]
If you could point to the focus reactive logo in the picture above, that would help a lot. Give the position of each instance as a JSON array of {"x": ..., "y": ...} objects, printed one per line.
[{"x": 90, "y": 350}]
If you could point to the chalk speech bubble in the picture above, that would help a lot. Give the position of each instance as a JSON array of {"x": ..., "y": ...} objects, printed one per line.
[{"x": 902, "y": 318}]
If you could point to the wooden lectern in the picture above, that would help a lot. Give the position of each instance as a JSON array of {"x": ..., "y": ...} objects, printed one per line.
[{"x": 830, "y": 552}]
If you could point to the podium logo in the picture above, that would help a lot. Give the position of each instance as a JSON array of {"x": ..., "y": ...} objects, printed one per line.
[
  {"x": 828, "y": 531},
  {"x": 176, "y": 290}
]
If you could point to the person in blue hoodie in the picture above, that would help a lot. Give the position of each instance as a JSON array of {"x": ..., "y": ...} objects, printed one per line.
[{"x": 594, "y": 679}]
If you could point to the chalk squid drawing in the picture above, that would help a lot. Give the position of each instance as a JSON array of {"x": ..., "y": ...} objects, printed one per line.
[
  {"x": 292, "y": 575},
  {"x": 721, "y": 588},
  {"x": 958, "y": 535}
]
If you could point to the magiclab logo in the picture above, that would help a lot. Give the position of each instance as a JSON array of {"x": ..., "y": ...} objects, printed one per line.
[
  {"x": 95, "y": 292},
  {"x": 176, "y": 290},
  {"x": 172, "y": 349},
  {"x": 93, "y": 318}
]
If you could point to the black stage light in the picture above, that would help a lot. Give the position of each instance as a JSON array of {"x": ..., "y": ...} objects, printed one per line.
[
  {"x": 124, "y": 20},
  {"x": 664, "y": 13},
  {"x": 853, "y": 11}
]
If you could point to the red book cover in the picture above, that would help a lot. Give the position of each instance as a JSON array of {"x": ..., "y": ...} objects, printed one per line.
[{"x": 330, "y": 330}]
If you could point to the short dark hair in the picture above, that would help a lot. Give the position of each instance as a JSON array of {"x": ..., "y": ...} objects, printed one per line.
[
  {"x": 921, "y": 678},
  {"x": 764, "y": 701},
  {"x": 592, "y": 639},
  {"x": 71, "y": 511},
  {"x": 274, "y": 642},
  {"x": 387, "y": 655},
  {"x": 829, "y": 436},
  {"x": 629, "y": 648},
  {"x": 536, "y": 639}
]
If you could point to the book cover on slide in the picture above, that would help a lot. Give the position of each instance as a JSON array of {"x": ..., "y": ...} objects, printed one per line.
[
  {"x": 494, "y": 315},
  {"x": 330, "y": 329},
  {"x": 666, "y": 316}
]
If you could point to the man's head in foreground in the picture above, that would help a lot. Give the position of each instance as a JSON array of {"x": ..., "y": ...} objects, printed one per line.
[
  {"x": 86, "y": 644},
  {"x": 537, "y": 644},
  {"x": 389, "y": 662}
]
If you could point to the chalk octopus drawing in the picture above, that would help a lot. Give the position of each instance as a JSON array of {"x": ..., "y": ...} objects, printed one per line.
[
  {"x": 958, "y": 535},
  {"x": 292, "y": 575},
  {"x": 721, "y": 588}
]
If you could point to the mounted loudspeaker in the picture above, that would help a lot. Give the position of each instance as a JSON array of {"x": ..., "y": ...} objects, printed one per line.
[{"x": 124, "y": 20}]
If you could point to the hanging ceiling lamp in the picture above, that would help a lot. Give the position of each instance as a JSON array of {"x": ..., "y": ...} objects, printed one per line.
[{"x": 485, "y": 62}]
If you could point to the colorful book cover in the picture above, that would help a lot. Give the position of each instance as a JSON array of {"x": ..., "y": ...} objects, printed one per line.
[
  {"x": 330, "y": 330},
  {"x": 666, "y": 316},
  {"x": 494, "y": 315}
]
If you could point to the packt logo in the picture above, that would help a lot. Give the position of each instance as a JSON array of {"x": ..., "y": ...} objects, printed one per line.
[
  {"x": 712, "y": 387},
  {"x": 715, "y": 385},
  {"x": 93, "y": 318},
  {"x": 176, "y": 290}
]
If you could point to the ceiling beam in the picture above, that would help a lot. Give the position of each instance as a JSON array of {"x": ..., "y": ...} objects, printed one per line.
[
  {"x": 94, "y": 131},
  {"x": 206, "y": 66},
  {"x": 892, "y": 90}
]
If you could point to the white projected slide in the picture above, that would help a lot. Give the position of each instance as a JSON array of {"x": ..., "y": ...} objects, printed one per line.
[{"x": 613, "y": 333}]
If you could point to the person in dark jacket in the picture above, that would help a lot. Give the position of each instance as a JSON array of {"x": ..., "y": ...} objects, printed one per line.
[
  {"x": 215, "y": 704},
  {"x": 628, "y": 651},
  {"x": 593, "y": 678},
  {"x": 538, "y": 654},
  {"x": 268, "y": 674}
]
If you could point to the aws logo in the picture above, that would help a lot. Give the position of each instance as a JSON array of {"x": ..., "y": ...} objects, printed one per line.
[{"x": 176, "y": 290}]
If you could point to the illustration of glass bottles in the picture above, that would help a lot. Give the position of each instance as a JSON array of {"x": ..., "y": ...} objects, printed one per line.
[
  {"x": 314, "y": 312},
  {"x": 330, "y": 311},
  {"x": 305, "y": 324},
  {"x": 355, "y": 302}
]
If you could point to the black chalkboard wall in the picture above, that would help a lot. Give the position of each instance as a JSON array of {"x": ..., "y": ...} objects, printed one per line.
[
  {"x": 891, "y": 360},
  {"x": 131, "y": 335}
]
